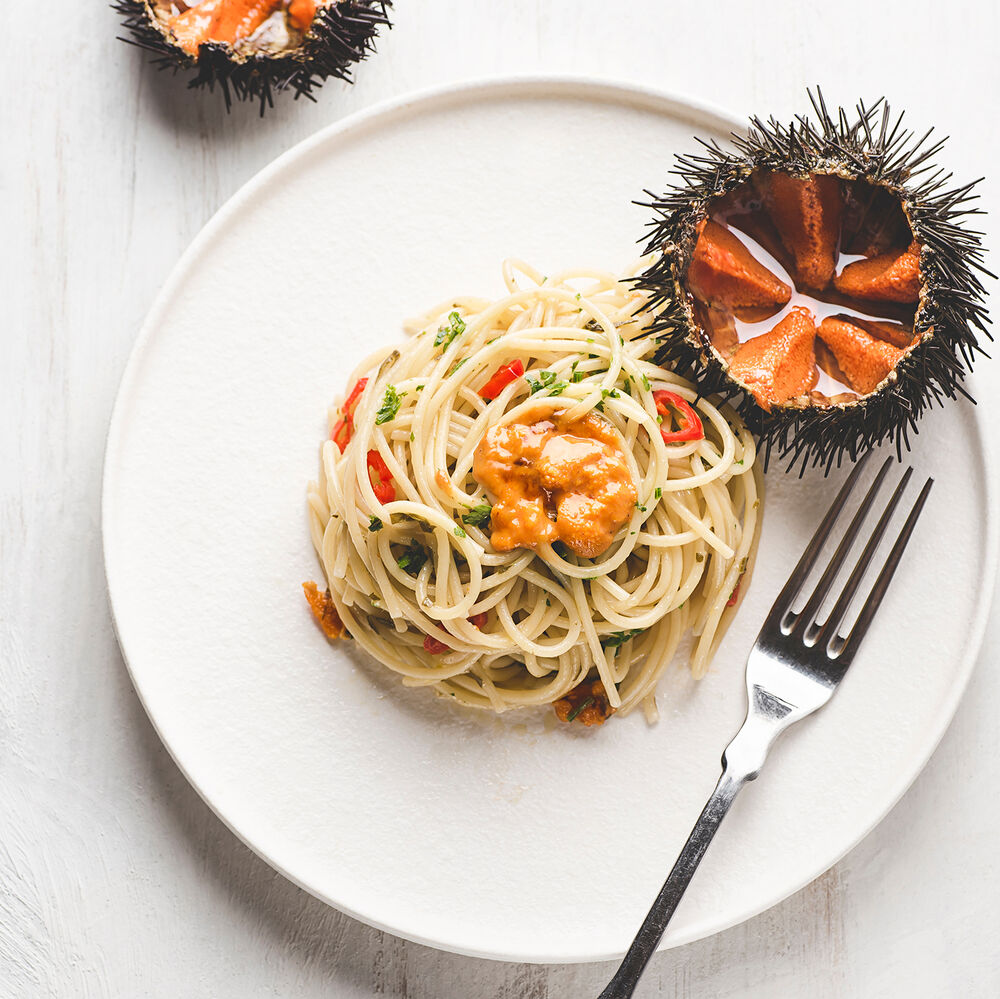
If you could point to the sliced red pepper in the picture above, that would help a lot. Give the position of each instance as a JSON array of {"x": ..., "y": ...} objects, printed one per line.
[
  {"x": 501, "y": 378},
  {"x": 435, "y": 647},
  {"x": 342, "y": 432},
  {"x": 343, "y": 429},
  {"x": 380, "y": 478},
  {"x": 689, "y": 426},
  {"x": 735, "y": 595},
  {"x": 351, "y": 402}
]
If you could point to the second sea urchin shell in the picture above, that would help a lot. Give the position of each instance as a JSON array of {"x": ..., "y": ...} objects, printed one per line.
[
  {"x": 252, "y": 49},
  {"x": 819, "y": 274}
]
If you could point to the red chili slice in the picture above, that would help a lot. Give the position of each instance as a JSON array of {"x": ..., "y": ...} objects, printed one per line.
[
  {"x": 351, "y": 402},
  {"x": 380, "y": 478},
  {"x": 735, "y": 595},
  {"x": 689, "y": 426},
  {"x": 343, "y": 429},
  {"x": 501, "y": 378},
  {"x": 434, "y": 647},
  {"x": 342, "y": 432}
]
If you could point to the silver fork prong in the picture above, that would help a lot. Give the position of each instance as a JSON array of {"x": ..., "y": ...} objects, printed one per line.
[
  {"x": 816, "y": 633},
  {"x": 790, "y": 590},
  {"x": 808, "y": 613},
  {"x": 843, "y": 649}
]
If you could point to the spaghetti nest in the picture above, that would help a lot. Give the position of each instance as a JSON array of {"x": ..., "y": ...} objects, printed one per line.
[{"x": 404, "y": 528}]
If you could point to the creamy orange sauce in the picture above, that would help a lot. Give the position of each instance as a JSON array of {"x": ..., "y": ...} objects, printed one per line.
[
  {"x": 555, "y": 481},
  {"x": 230, "y": 21}
]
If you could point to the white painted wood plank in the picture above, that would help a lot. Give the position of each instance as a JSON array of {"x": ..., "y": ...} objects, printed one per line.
[{"x": 115, "y": 879}]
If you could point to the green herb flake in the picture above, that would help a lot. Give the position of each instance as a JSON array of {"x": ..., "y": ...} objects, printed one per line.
[
  {"x": 375, "y": 524},
  {"x": 460, "y": 533},
  {"x": 412, "y": 558},
  {"x": 457, "y": 366},
  {"x": 610, "y": 394},
  {"x": 699, "y": 556},
  {"x": 445, "y": 335},
  {"x": 640, "y": 508},
  {"x": 645, "y": 384},
  {"x": 478, "y": 516},
  {"x": 413, "y": 436},
  {"x": 619, "y": 638},
  {"x": 579, "y": 708},
  {"x": 546, "y": 380},
  {"x": 657, "y": 492},
  {"x": 390, "y": 405}
]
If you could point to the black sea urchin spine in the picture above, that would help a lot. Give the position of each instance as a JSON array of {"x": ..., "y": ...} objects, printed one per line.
[
  {"x": 341, "y": 34},
  {"x": 872, "y": 145}
]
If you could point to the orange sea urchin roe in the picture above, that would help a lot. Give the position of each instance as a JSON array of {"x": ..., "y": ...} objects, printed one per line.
[
  {"x": 231, "y": 20},
  {"x": 324, "y": 610},
  {"x": 780, "y": 365},
  {"x": 555, "y": 481}
]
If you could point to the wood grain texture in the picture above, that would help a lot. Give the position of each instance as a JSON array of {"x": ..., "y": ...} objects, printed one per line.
[{"x": 115, "y": 878}]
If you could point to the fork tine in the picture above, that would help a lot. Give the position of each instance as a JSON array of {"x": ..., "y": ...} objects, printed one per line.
[
  {"x": 791, "y": 588},
  {"x": 843, "y": 649},
  {"x": 808, "y": 613},
  {"x": 817, "y": 633}
]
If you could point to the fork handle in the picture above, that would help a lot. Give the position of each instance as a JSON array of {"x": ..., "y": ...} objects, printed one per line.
[{"x": 625, "y": 979}]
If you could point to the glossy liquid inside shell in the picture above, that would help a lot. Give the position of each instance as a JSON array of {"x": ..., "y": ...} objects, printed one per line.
[{"x": 807, "y": 287}]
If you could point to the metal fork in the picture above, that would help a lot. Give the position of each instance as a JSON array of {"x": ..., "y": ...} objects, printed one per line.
[{"x": 793, "y": 669}]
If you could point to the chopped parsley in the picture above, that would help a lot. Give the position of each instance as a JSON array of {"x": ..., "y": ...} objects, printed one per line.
[
  {"x": 375, "y": 524},
  {"x": 546, "y": 380},
  {"x": 460, "y": 533},
  {"x": 455, "y": 327},
  {"x": 390, "y": 405},
  {"x": 412, "y": 558},
  {"x": 478, "y": 516},
  {"x": 609, "y": 394},
  {"x": 619, "y": 638},
  {"x": 458, "y": 364},
  {"x": 658, "y": 492}
]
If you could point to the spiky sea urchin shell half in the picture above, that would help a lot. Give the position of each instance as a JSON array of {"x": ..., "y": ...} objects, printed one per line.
[
  {"x": 871, "y": 145},
  {"x": 341, "y": 34}
]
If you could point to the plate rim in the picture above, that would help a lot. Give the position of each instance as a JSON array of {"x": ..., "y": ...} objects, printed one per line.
[{"x": 564, "y": 85}]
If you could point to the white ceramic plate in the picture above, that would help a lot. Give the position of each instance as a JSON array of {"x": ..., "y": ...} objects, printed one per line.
[{"x": 505, "y": 838}]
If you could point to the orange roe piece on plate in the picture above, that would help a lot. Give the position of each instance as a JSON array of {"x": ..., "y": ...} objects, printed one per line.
[
  {"x": 324, "y": 610},
  {"x": 807, "y": 212},
  {"x": 780, "y": 365},
  {"x": 586, "y": 703},
  {"x": 724, "y": 274},
  {"x": 865, "y": 360},
  {"x": 890, "y": 277}
]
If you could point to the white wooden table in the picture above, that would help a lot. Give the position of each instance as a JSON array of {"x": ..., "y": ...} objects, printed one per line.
[{"x": 115, "y": 878}]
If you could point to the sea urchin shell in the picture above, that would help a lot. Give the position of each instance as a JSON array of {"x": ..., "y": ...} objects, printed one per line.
[
  {"x": 254, "y": 48},
  {"x": 883, "y": 308}
]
